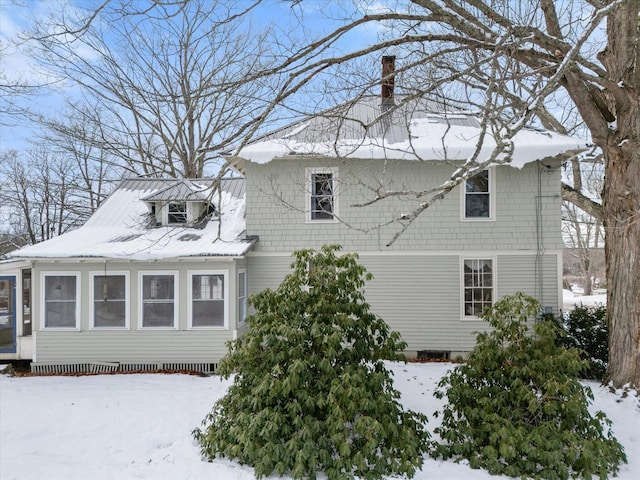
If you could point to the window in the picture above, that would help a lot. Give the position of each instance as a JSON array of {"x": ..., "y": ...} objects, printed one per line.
[
  {"x": 208, "y": 293},
  {"x": 322, "y": 195},
  {"x": 242, "y": 296},
  {"x": 477, "y": 196},
  {"x": 478, "y": 286},
  {"x": 26, "y": 302},
  {"x": 61, "y": 302},
  {"x": 159, "y": 300},
  {"x": 177, "y": 212},
  {"x": 109, "y": 295}
]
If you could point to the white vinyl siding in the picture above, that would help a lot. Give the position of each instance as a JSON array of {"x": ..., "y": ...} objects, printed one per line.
[
  {"x": 109, "y": 300},
  {"x": 159, "y": 299},
  {"x": 208, "y": 304},
  {"x": 61, "y": 300}
]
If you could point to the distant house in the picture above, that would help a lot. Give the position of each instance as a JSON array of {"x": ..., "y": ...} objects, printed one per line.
[{"x": 160, "y": 274}]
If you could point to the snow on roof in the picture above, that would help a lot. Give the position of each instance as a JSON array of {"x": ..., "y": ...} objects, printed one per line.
[
  {"x": 415, "y": 130},
  {"x": 183, "y": 190},
  {"x": 120, "y": 228}
]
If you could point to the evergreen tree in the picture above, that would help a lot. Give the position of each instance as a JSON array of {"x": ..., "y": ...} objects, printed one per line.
[
  {"x": 311, "y": 392},
  {"x": 516, "y": 406}
]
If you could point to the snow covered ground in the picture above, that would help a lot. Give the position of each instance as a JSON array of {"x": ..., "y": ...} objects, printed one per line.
[
  {"x": 139, "y": 426},
  {"x": 570, "y": 299}
]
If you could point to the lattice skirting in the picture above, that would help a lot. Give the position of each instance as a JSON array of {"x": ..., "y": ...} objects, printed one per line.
[{"x": 112, "y": 367}]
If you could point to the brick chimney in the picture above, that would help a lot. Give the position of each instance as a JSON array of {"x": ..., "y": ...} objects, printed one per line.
[{"x": 388, "y": 79}]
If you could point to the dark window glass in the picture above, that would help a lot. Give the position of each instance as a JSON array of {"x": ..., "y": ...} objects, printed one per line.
[
  {"x": 477, "y": 196},
  {"x": 322, "y": 206}
]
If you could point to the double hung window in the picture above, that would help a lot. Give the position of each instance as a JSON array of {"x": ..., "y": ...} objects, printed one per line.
[
  {"x": 159, "y": 300},
  {"x": 477, "y": 196},
  {"x": 478, "y": 286},
  {"x": 61, "y": 302},
  {"x": 208, "y": 293},
  {"x": 322, "y": 195}
]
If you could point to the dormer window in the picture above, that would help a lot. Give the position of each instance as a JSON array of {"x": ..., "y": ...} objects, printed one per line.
[{"x": 177, "y": 213}]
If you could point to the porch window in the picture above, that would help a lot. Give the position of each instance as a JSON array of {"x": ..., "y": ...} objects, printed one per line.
[
  {"x": 177, "y": 213},
  {"x": 242, "y": 296},
  {"x": 26, "y": 302},
  {"x": 159, "y": 300},
  {"x": 322, "y": 200},
  {"x": 109, "y": 301},
  {"x": 478, "y": 286},
  {"x": 208, "y": 294},
  {"x": 477, "y": 196},
  {"x": 61, "y": 302}
]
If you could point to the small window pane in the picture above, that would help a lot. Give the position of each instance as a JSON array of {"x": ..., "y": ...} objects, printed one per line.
[
  {"x": 109, "y": 305},
  {"x": 478, "y": 183},
  {"x": 60, "y": 301},
  {"x": 207, "y": 304}
]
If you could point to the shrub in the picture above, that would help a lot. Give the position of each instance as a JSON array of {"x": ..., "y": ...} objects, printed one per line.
[
  {"x": 586, "y": 329},
  {"x": 517, "y": 408},
  {"x": 311, "y": 392}
]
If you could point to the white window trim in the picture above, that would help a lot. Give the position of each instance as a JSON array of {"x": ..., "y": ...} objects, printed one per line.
[
  {"x": 176, "y": 298},
  {"x": 127, "y": 292},
  {"x": 492, "y": 200},
  {"x": 494, "y": 288},
  {"x": 242, "y": 321},
  {"x": 43, "y": 275},
  {"x": 309, "y": 190},
  {"x": 225, "y": 296}
]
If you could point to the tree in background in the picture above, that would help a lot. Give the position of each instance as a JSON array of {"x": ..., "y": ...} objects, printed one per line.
[
  {"x": 165, "y": 83},
  {"x": 311, "y": 393}
]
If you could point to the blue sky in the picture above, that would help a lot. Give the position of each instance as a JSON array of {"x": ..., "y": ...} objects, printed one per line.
[{"x": 17, "y": 15}]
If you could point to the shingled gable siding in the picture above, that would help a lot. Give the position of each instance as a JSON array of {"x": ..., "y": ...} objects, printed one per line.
[
  {"x": 276, "y": 202},
  {"x": 136, "y": 345}
]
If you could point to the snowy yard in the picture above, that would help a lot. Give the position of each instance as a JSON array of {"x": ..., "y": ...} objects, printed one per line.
[{"x": 139, "y": 426}]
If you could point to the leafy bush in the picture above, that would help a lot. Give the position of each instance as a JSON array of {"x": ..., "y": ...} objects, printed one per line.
[
  {"x": 586, "y": 329},
  {"x": 311, "y": 392},
  {"x": 517, "y": 408}
]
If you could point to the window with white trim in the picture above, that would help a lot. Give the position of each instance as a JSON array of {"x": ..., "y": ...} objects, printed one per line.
[
  {"x": 208, "y": 300},
  {"x": 61, "y": 300},
  {"x": 158, "y": 300},
  {"x": 322, "y": 199},
  {"x": 242, "y": 296},
  {"x": 177, "y": 213},
  {"x": 477, "y": 196},
  {"x": 110, "y": 303},
  {"x": 478, "y": 285}
]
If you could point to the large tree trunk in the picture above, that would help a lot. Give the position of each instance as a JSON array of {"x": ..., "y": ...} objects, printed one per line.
[
  {"x": 621, "y": 204},
  {"x": 621, "y": 195}
]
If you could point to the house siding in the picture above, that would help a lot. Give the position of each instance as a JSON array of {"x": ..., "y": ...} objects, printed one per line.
[
  {"x": 276, "y": 202},
  {"x": 134, "y": 345},
  {"x": 418, "y": 294}
]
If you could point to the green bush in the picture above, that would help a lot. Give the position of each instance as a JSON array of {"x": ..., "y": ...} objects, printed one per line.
[
  {"x": 311, "y": 393},
  {"x": 586, "y": 329},
  {"x": 517, "y": 408}
]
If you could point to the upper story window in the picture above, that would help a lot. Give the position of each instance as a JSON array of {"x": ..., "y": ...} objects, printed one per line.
[
  {"x": 61, "y": 300},
  {"x": 478, "y": 196},
  {"x": 177, "y": 213},
  {"x": 322, "y": 195}
]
